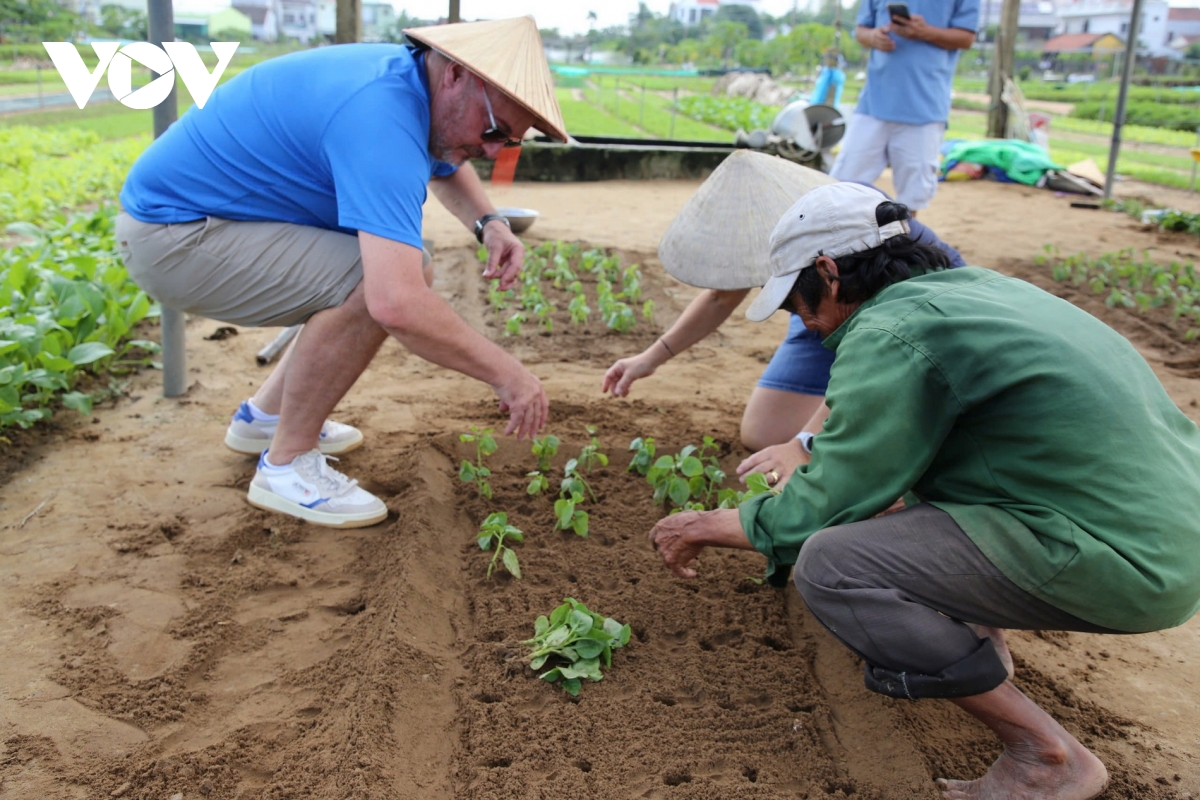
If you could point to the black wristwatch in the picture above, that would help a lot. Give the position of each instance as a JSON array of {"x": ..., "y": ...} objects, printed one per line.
[{"x": 484, "y": 220}]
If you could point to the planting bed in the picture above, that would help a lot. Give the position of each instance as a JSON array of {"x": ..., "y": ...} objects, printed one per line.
[{"x": 161, "y": 637}]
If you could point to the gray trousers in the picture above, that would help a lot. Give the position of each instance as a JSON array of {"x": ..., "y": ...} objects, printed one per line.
[{"x": 899, "y": 590}]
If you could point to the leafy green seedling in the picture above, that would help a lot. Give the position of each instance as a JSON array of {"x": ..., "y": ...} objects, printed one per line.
[
  {"x": 538, "y": 482},
  {"x": 756, "y": 484},
  {"x": 671, "y": 475},
  {"x": 496, "y": 530},
  {"x": 513, "y": 326},
  {"x": 620, "y": 318},
  {"x": 579, "y": 310},
  {"x": 578, "y": 640},
  {"x": 631, "y": 283},
  {"x": 476, "y": 472},
  {"x": 648, "y": 311},
  {"x": 643, "y": 455},
  {"x": 545, "y": 449},
  {"x": 591, "y": 454},
  {"x": 560, "y": 273},
  {"x": 482, "y": 254},
  {"x": 499, "y": 300},
  {"x": 569, "y": 517},
  {"x": 574, "y": 483}
]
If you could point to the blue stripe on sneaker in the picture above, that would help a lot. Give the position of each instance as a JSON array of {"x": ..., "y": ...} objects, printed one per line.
[
  {"x": 314, "y": 502},
  {"x": 243, "y": 413}
]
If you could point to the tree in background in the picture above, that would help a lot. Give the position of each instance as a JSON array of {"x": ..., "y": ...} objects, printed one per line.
[
  {"x": 37, "y": 21},
  {"x": 743, "y": 14},
  {"x": 127, "y": 23},
  {"x": 723, "y": 39}
]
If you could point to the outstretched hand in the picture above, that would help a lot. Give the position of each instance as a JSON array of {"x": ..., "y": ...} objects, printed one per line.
[
  {"x": 777, "y": 462},
  {"x": 621, "y": 375},
  {"x": 506, "y": 254}
]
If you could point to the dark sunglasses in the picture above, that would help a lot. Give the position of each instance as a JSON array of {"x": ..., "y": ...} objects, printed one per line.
[{"x": 493, "y": 134}]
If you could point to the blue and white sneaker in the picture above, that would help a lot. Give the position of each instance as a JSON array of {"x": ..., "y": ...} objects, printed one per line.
[
  {"x": 253, "y": 436},
  {"x": 311, "y": 490}
]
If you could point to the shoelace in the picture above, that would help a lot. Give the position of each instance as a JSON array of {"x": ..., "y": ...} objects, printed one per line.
[{"x": 331, "y": 482}]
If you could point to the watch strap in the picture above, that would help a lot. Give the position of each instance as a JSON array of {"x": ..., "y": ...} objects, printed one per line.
[{"x": 484, "y": 220}]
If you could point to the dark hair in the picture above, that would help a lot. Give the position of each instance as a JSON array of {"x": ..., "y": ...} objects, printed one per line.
[{"x": 863, "y": 275}]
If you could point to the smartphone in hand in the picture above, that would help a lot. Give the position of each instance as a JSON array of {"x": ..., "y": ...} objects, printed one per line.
[{"x": 898, "y": 11}]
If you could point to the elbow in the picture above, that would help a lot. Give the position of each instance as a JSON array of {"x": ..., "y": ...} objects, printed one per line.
[{"x": 390, "y": 313}]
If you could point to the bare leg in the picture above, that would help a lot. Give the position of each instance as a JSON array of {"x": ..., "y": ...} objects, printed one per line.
[
  {"x": 999, "y": 642},
  {"x": 773, "y": 416},
  {"x": 1041, "y": 761},
  {"x": 269, "y": 397},
  {"x": 325, "y": 360}
]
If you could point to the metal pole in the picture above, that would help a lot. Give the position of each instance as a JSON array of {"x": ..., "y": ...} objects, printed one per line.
[
  {"x": 160, "y": 27},
  {"x": 348, "y": 22},
  {"x": 39, "y": 73},
  {"x": 1193, "y": 186},
  {"x": 1119, "y": 114},
  {"x": 454, "y": 15},
  {"x": 674, "y": 103},
  {"x": 642, "y": 109}
]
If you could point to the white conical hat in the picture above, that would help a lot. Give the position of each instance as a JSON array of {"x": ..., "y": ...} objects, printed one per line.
[
  {"x": 506, "y": 53},
  {"x": 721, "y": 237}
]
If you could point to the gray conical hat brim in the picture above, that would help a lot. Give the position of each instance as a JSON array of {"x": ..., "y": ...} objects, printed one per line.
[{"x": 721, "y": 237}]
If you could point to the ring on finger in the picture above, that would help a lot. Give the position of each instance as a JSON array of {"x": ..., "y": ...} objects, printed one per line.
[{"x": 774, "y": 476}]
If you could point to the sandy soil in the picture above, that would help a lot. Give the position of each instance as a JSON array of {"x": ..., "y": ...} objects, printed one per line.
[{"x": 162, "y": 639}]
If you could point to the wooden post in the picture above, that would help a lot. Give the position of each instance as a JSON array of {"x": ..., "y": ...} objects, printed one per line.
[
  {"x": 1003, "y": 52},
  {"x": 349, "y": 22},
  {"x": 160, "y": 27},
  {"x": 454, "y": 14},
  {"x": 1119, "y": 115}
]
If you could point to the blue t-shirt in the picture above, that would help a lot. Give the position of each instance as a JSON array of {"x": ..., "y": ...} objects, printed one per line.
[
  {"x": 912, "y": 83},
  {"x": 335, "y": 138}
]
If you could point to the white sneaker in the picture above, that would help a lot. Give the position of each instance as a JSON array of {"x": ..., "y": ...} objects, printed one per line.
[
  {"x": 310, "y": 489},
  {"x": 253, "y": 436}
]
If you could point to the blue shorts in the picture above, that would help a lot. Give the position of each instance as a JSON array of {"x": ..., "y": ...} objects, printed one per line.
[{"x": 800, "y": 364}]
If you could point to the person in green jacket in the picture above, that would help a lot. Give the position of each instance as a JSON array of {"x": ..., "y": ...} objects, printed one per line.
[{"x": 1050, "y": 483}]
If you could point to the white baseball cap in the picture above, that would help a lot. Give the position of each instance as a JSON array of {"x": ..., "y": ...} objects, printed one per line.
[{"x": 834, "y": 220}]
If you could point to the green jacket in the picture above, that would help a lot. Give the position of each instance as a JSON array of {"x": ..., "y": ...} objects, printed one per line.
[{"x": 1039, "y": 429}]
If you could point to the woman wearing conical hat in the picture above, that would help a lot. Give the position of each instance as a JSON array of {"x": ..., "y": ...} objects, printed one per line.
[
  {"x": 720, "y": 241},
  {"x": 295, "y": 196}
]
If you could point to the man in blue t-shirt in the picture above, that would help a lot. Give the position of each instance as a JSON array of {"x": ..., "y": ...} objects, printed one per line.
[
  {"x": 295, "y": 196},
  {"x": 902, "y": 111}
]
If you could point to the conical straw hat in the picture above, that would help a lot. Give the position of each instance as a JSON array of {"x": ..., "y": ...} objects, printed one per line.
[
  {"x": 507, "y": 53},
  {"x": 721, "y": 237}
]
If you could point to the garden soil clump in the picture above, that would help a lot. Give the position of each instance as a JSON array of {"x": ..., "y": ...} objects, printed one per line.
[{"x": 163, "y": 638}]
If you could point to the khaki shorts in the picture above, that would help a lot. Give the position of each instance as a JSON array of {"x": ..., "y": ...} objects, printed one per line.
[{"x": 256, "y": 274}]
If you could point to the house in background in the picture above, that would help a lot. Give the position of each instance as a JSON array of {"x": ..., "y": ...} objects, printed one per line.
[
  {"x": 1036, "y": 19},
  {"x": 264, "y": 18},
  {"x": 298, "y": 20},
  {"x": 203, "y": 27},
  {"x": 1112, "y": 16}
]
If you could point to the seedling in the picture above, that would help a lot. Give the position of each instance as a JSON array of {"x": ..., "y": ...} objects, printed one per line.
[
  {"x": 571, "y": 494},
  {"x": 499, "y": 299},
  {"x": 496, "y": 530},
  {"x": 621, "y": 318},
  {"x": 579, "y": 640},
  {"x": 538, "y": 482},
  {"x": 670, "y": 476},
  {"x": 574, "y": 483},
  {"x": 543, "y": 312},
  {"x": 591, "y": 454},
  {"x": 579, "y": 310},
  {"x": 545, "y": 449},
  {"x": 476, "y": 472},
  {"x": 482, "y": 254},
  {"x": 643, "y": 455},
  {"x": 648, "y": 310},
  {"x": 631, "y": 283},
  {"x": 561, "y": 273},
  {"x": 756, "y": 484},
  {"x": 513, "y": 326}
]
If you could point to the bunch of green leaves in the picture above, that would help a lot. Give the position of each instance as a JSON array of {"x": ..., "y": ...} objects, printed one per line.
[
  {"x": 631, "y": 283},
  {"x": 477, "y": 472},
  {"x": 67, "y": 306},
  {"x": 648, "y": 311},
  {"x": 1140, "y": 284},
  {"x": 690, "y": 480},
  {"x": 498, "y": 299},
  {"x": 643, "y": 455},
  {"x": 730, "y": 113},
  {"x": 482, "y": 255},
  {"x": 568, "y": 515},
  {"x": 545, "y": 448},
  {"x": 495, "y": 530},
  {"x": 512, "y": 327},
  {"x": 591, "y": 455},
  {"x": 578, "y": 640},
  {"x": 538, "y": 482},
  {"x": 560, "y": 272}
]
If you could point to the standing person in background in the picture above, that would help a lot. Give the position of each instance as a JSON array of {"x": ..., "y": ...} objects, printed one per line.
[
  {"x": 296, "y": 196},
  {"x": 902, "y": 111}
]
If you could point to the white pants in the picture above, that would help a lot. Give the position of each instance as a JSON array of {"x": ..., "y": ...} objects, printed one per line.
[{"x": 912, "y": 151}]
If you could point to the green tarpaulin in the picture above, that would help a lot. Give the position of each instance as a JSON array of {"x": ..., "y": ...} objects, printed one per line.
[{"x": 1024, "y": 162}]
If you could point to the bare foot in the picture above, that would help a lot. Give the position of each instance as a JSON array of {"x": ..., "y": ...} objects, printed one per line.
[
  {"x": 999, "y": 642},
  {"x": 1067, "y": 772}
]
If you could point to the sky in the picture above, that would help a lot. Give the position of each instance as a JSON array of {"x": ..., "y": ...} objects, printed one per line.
[{"x": 569, "y": 16}]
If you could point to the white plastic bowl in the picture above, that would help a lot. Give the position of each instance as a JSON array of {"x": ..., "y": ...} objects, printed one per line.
[{"x": 519, "y": 219}]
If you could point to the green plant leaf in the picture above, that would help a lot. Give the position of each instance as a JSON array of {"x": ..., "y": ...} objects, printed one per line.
[
  {"x": 538, "y": 661},
  {"x": 589, "y": 648},
  {"x": 511, "y": 564},
  {"x": 88, "y": 352},
  {"x": 485, "y": 542},
  {"x": 571, "y": 685},
  {"x": 580, "y": 523},
  {"x": 466, "y": 473},
  {"x": 678, "y": 490},
  {"x": 691, "y": 467},
  {"x": 540, "y": 626}
]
